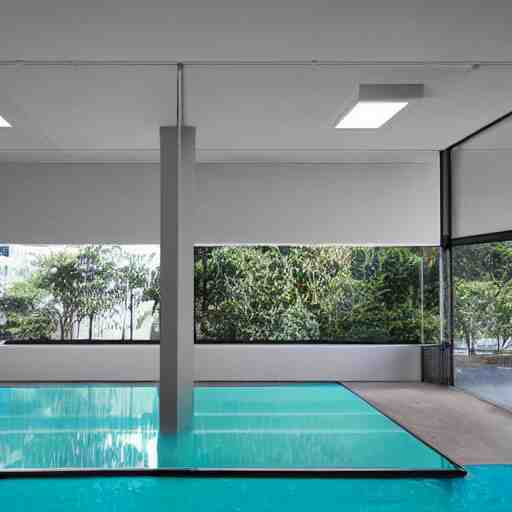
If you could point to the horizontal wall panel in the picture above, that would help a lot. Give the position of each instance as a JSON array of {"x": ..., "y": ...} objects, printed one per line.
[
  {"x": 79, "y": 203},
  {"x": 212, "y": 362},
  {"x": 384, "y": 204},
  {"x": 345, "y": 203},
  {"x": 309, "y": 362}
]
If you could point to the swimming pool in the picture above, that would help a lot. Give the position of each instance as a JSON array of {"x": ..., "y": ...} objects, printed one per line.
[
  {"x": 290, "y": 427},
  {"x": 482, "y": 491}
]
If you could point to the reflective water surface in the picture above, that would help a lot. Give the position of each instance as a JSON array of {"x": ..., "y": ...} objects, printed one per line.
[
  {"x": 481, "y": 491},
  {"x": 288, "y": 426}
]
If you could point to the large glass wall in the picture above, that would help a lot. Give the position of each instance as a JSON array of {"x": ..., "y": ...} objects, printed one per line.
[
  {"x": 483, "y": 320},
  {"x": 311, "y": 294},
  {"x": 72, "y": 293},
  {"x": 277, "y": 294}
]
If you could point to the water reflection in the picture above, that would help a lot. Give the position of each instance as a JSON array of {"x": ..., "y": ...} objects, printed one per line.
[
  {"x": 79, "y": 426},
  {"x": 116, "y": 426}
]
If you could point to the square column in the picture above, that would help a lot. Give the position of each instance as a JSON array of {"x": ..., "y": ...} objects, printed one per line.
[{"x": 177, "y": 184}]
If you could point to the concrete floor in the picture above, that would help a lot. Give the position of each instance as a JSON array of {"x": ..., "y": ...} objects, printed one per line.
[{"x": 466, "y": 429}]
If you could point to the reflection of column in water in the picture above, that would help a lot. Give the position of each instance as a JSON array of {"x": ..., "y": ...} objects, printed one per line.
[{"x": 177, "y": 450}]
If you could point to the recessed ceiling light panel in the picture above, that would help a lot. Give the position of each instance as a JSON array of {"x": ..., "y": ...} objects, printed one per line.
[
  {"x": 4, "y": 123},
  {"x": 378, "y": 103},
  {"x": 370, "y": 114}
]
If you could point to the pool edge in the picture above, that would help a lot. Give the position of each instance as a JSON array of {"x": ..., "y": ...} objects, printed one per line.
[{"x": 459, "y": 470}]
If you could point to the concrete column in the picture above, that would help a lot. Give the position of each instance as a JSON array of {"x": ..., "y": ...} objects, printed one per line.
[{"x": 177, "y": 278}]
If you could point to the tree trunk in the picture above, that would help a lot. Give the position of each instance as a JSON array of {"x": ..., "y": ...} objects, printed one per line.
[
  {"x": 123, "y": 325},
  {"x": 91, "y": 318},
  {"x": 69, "y": 329},
  {"x": 204, "y": 283},
  {"x": 467, "y": 339},
  {"x": 131, "y": 315}
]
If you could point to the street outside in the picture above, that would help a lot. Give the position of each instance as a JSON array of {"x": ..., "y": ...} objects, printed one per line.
[{"x": 491, "y": 382}]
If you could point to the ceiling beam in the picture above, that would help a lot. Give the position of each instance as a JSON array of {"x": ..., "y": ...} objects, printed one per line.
[{"x": 256, "y": 63}]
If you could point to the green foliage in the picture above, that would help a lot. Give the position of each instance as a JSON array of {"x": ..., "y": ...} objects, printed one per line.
[
  {"x": 315, "y": 293},
  {"x": 27, "y": 315},
  {"x": 356, "y": 294},
  {"x": 483, "y": 293}
]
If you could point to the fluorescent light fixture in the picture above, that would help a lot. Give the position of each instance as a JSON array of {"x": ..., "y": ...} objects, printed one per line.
[
  {"x": 4, "y": 123},
  {"x": 378, "y": 103},
  {"x": 370, "y": 114}
]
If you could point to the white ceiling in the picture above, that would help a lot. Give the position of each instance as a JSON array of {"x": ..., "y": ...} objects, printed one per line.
[
  {"x": 112, "y": 113},
  {"x": 496, "y": 137},
  {"x": 275, "y": 110},
  {"x": 262, "y": 29}
]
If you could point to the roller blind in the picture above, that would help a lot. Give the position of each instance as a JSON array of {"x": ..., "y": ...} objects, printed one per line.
[
  {"x": 80, "y": 203},
  {"x": 482, "y": 183},
  {"x": 384, "y": 204}
]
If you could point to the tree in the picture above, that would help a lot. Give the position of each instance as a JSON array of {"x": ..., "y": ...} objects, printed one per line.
[
  {"x": 483, "y": 293},
  {"x": 151, "y": 293},
  {"x": 100, "y": 286},
  {"x": 80, "y": 285},
  {"x": 26, "y": 312},
  {"x": 497, "y": 322},
  {"x": 58, "y": 275},
  {"x": 471, "y": 307},
  {"x": 135, "y": 275}
]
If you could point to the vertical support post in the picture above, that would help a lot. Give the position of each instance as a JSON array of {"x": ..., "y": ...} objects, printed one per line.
[
  {"x": 422, "y": 296},
  {"x": 177, "y": 161},
  {"x": 445, "y": 272}
]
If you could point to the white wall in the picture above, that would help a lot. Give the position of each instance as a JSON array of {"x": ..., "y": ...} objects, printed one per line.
[
  {"x": 381, "y": 203},
  {"x": 234, "y": 362}
]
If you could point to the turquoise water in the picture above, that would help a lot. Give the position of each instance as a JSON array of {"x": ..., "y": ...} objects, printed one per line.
[
  {"x": 485, "y": 489},
  {"x": 289, "y": 426}
]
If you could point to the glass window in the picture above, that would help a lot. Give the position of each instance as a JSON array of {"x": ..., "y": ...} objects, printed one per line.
[
  {"x": 252, "y": 294},
  {"x": 483, "y": 320},
  {"x": 335, "y": 294},
  {"x": 79, "y": 292}
]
